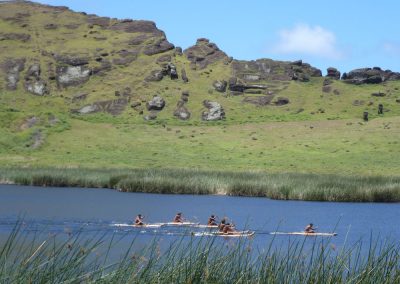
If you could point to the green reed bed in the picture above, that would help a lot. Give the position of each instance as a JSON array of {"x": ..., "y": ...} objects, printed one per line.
[
  {"x": 77, "y": 259},
  {"x": 286, "y": 186}
]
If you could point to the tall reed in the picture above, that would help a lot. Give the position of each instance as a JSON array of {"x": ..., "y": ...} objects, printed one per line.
[{"x": 76, "y": 259}]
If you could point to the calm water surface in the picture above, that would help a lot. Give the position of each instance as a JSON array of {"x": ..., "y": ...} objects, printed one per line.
[{"x": 62, "y": 210}]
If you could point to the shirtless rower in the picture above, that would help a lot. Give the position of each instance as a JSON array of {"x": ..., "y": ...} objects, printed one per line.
[
  {"x": 212, "y": 221},
  {"x": 310, "y": 229},
  {"x": 139, "y": 220},
  {"x": 178, "y": 218}
]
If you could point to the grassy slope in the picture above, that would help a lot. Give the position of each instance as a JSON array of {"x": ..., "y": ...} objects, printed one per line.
[{"x": 327, "y": 136}]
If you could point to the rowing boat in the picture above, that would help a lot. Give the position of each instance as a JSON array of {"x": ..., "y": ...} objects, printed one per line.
[
  {"x": 207, "y": 226},
  {"x": 228, "y": 235},
  {"x": 154, "y": 225},
  {"x": 188, "y": 224},
  {"x": 305, "y": 234}
]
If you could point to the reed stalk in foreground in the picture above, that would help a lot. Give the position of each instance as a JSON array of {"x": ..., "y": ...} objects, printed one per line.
[
  {"x": 289, "y": 186},
  {"x": 80, "y": 259}
]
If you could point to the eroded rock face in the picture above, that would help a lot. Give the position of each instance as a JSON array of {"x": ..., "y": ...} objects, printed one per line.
[
  {"x": 258, "y": 100},
  {"x": 72, "y": 59},
  {"x": 204, "y": 53},
  {"x": 159, "y": 46},
  {"x": 157, "y": 103},
  {"x": 132, "y": 26},
  {"x": 369, "y": 76},
  {"x": 214, "y": 112},
  {"x": 12, "y": 67},
  {"x": 268, "y": 69},
  {"x": 36, "y": 87},
  {"x": 72, "y": 75}
]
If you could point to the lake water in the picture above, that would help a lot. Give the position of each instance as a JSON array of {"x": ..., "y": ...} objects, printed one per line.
[{"x": 65, "y": 210}]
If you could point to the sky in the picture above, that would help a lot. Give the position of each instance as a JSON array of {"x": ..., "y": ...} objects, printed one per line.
[{"x": 343, "y": 34}]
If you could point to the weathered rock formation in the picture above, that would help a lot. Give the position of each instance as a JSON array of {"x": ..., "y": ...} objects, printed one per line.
[
  {"x": 114, "y": 107},
  {"x": 72, "y": 75},
  {"x": 12, "y": 68},
  {"x": 369, "y": 76},
  {"x": 157, "y": 103},
  {"x": 271, "y": 70},
  {"x": 204, "y": 53},
  {"x": 214, "y": 112}
]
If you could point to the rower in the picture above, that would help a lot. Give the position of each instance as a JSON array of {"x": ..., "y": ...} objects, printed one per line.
[
  {"x": 310, "y": 228},
  {"x": 222, "y": 225},
  {"x": 212, "y": 221},
  {"x": 228, "y": 228},
  {"x": 139, "y": 220},
  {"x": 178, "y": 218}
]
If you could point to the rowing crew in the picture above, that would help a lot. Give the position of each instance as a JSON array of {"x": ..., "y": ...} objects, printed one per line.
[{"x": 223, "y": 226}]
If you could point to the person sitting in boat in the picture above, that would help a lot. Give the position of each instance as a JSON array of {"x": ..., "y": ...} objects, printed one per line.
[
  {"x": 222, "y": 225},
  {"x": 310, "y": 228},
  {"x": 228, "y": 228},
  {"x": 178, "y": 218},
  {"x": 212, "y": 221},
  {"x": 139, "y": 220}
]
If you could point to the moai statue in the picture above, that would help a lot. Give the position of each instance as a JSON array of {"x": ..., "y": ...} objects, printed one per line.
[
  {"x": 365, "y": 115},
  {"x": 380, "y": 109}
]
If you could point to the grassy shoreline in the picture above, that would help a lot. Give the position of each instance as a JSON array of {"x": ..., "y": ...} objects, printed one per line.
[{"x": 280, "y": 186}]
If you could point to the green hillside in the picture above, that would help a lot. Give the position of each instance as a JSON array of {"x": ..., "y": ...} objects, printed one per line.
[{"x": 75, "y": 90}]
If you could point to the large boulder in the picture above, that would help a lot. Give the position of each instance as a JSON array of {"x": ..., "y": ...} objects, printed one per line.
[
  {"x": 157, "y": 103},
  {"x": 72, "y": 75},
  {"x": 214, "y": 112},
  {"x": 204, "y": 53},
  {"x": 333, "y": 73},
  {"x": 36, "y": 87},
  {"x": 12, "y": 67}
]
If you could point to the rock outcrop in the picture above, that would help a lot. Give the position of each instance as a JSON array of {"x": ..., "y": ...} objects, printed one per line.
[
  {"x": 161, "y": 45},
  {"x": 157, "y": 103},
  {"x": 214, "y": 112},
  {"x": 114, "y": 107},
  {"x": 12, "y": 67},
  {"x": 373, "y": 75},
  {"x": 72, "y": 75},
  {"x": 204, "y": 53},
  {"x": 251, "y": 72}
]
